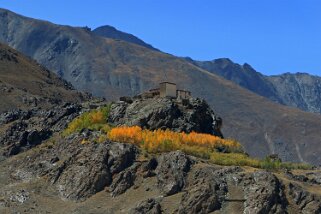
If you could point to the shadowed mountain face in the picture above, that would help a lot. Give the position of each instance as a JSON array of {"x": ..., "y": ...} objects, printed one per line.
[
  {"x": 113, "y": 68},
  {"x": 298, "y": 90},
  {"x": 112, "y": 33},
  {"x": 25, "y": 84}
]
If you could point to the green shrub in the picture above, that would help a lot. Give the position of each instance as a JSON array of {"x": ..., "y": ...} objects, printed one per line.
[{"x": 93, "y": 120}]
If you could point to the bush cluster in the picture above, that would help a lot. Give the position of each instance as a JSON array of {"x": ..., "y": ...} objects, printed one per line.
[
  {"x": 217, "y": 150},
  {"x": 166, "y": 140},
  {"x": 93, "y": 120}
]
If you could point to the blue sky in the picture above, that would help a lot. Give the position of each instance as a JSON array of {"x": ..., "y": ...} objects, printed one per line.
[{"x": 274, "y": 36}]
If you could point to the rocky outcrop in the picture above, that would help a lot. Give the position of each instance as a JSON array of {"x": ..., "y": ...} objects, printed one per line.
[
  {"x": 189, "y": 115},
  {"x": 149, "y": 206},
  {"x": 78, "y": 171},
  {"x": 83, "y": 175},
  {"x": 205, "y": 190},
  {"x": 92, "y": 168},
  {"x": 263, "y": 198},
  {"x": 124, "y": 179},
  {"x": 307, "y": 202},
  {"x": 26, "y": 129},
  {"x": 171, "y": 172},
  {"x": 13, "y": 115}
]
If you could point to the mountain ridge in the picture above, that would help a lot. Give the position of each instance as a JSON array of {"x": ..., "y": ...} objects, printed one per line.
[
  {"x": 111, "y": 32},
  {"x": 305, "y": 96}
]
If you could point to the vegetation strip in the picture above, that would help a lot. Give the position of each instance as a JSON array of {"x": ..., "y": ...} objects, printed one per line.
[{"x": 217, "y": 150}]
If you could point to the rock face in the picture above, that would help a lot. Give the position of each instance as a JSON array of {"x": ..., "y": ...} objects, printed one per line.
[
  {"x": 171, "y": 172},
  {"x": 205, "y": 190},
  {"x": 299, "y": 90},
  {"x": 26, "y": 129},
  {"x": 307, "y": 202},
  {"x": 262, "y": 198},
  {"x": 164, "y": 113},
  {"x": 91, "y": 170},
  {"x": 109, "y": 176}
]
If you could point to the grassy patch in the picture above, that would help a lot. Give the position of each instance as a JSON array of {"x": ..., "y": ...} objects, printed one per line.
[
  {"x": 93, "y": 120},
  {"x": 270, "y": 164},
  {"x": 235, "y": 159},
  {"x": 239, "y": 159}
]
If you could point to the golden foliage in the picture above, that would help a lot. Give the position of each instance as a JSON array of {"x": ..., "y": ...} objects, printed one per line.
[
  {"x": 217, "y": 150},
  {"x": 166, "y": 140}
]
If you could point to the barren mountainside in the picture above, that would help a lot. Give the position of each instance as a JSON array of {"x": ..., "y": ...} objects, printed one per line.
[
  {"x": 298, "y": 90},
  {"x": 113, "y": 68},
  {"x": 24, "y": 83}
]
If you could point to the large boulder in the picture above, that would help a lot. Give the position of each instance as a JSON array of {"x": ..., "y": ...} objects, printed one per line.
[
  {"x": 206, "y": 189},
  {"x": 264, "y": 193},
  {"x": 189, "y": 115},
  {"x": 92, "y": 167},
  {"x": 84, "y": 174},
  {"x": 171, "y": 172}
]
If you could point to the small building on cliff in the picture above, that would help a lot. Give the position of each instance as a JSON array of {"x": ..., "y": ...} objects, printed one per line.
[{"x": 169, "y": 90}]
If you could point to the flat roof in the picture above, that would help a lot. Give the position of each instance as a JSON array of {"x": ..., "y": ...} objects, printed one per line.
[
  {"x": 168, "y": 83},
  {"x": 183, "y": 90}
]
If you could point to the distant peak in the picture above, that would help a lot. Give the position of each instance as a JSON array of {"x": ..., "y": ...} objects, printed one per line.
[
  {"x": 247, "y": 66},
  {"x": 111, "y": 32},
  {"x": 106, "y": 27},
  {"x": 223, "y": 60}
]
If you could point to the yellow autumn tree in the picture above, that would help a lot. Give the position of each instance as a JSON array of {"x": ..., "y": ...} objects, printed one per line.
[{"x": 166, "y": 140}]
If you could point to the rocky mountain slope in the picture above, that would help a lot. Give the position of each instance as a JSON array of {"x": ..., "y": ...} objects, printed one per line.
[
  {"x": 64, "y": 175},
  {"x": 68, "y": 177},
  {"x": 34, "y": 102},
  {"x": 298, "y": 90},
  {"x": 112, "y": 68},
  {"x": 112, "y": 33},
  {"x": 24, "y": 83}
]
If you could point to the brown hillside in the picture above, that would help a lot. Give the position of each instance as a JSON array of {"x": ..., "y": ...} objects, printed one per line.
[{"x": 24, "y": 83}]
